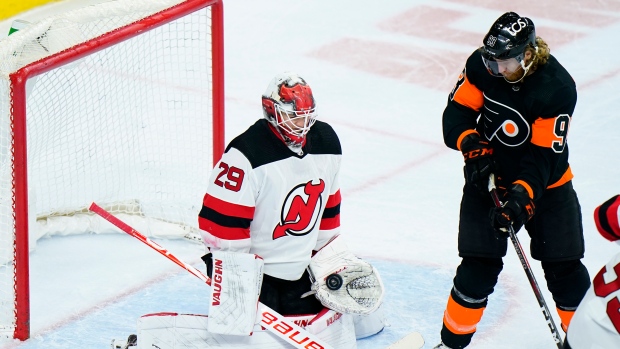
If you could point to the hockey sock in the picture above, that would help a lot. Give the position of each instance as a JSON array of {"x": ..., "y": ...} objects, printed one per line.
[
  {"x": 460, "y": 319},
  {"x": 565, "y": 317},
  {"x": 568, "y": 282}
]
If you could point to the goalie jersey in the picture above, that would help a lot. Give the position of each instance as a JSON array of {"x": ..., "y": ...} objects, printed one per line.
[{"x": 265, "y": 199}]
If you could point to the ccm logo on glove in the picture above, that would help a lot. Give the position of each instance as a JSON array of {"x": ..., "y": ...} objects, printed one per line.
[
  {"x": 472, "y": 154},
  {"x": 479, "y": 164}
]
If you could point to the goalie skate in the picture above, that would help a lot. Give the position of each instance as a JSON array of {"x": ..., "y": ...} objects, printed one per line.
[{"x": 413, "y": 340}]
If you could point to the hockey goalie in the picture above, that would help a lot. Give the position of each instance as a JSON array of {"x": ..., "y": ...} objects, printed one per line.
[{"x": 270, "y": 221}]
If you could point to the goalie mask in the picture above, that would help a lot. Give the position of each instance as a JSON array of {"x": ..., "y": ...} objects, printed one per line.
[{"x": 289, "y": 106}]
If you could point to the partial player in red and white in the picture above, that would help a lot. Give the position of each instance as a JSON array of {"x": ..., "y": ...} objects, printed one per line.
[
  {"x": 596, "y": 323},
  {"x": 275, "y": 195}
]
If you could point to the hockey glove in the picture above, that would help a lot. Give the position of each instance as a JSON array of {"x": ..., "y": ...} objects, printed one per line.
[
  {"x": 479, "y": 162},
  {"x": 343, "y": 282},
  {"x": 517, "y": 209}
]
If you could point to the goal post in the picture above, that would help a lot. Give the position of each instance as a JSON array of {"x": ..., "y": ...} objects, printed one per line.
[{"x": 121, "y": 103}]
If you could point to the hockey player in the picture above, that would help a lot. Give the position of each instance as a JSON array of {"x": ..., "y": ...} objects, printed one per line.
[
  {"x": 509, "y": 114},
  {"x": 270, "y": 221},
  {"x": 275, "y": 194},
  {"x": 596, "y": 323}
]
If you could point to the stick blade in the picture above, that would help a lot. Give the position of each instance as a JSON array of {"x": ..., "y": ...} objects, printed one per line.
[{"x": 413, "y": 340}]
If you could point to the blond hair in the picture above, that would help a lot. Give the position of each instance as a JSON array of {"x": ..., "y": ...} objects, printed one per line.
[{"x": 542, "y": 55}]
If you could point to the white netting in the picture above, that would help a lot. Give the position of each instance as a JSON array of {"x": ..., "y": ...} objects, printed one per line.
[{"x": 128, "y": 127}]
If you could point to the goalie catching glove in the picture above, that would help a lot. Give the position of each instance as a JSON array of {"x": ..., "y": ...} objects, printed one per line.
[{"x": 343, "y": 282}]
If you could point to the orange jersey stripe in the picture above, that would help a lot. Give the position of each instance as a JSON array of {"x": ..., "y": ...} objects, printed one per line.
[
  {"x": 228, "y": 209},
  {"x": 459, "y": 319},
  {"x": 468, "y": 95},
  {"x": 567, "y": 176},
  {"x": 527, "y": 187},
  {"x": 544, "y": 133},
  {"x": 462, "y": 136}
]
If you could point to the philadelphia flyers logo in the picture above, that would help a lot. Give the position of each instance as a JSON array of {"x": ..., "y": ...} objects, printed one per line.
[
  {"x": 301, "y": 210},
  {"x": 504, "y": 123}
]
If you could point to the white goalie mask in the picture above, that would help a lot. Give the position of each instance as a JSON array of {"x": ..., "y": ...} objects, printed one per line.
[{"x": 289, "y": 106}]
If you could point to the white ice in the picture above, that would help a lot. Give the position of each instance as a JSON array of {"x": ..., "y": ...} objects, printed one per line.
[{"x": 381, "y": 73}]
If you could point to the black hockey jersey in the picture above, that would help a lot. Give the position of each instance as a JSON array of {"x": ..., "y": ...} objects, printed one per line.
[
  {"x": 526, "y": 123},
  {"x": 267, "y": 200}
]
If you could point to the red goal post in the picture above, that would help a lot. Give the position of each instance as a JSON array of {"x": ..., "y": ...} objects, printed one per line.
[{"x": 120, "y": 103}]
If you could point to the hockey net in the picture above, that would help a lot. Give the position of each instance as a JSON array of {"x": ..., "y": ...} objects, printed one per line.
[{"x": 119, "y": 103}]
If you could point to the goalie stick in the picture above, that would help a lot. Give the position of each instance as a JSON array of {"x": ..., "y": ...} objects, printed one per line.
[
  {"x": 413, "y": 340},
  {"x": 270, "y": 319},
  {"x": 528, "y": 270}
]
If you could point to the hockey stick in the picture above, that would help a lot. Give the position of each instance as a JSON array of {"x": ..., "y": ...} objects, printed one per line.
[
  {"x": 270, "y": 319},
  {"x": 528, "y": 270},
  {"x": 413, "y": 340}
]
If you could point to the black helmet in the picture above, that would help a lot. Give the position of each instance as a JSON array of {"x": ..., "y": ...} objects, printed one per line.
[{"x": 509, "y": 36}]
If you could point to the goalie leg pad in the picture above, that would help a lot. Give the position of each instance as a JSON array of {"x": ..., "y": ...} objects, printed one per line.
[
  {"x": 335, "y": 328},
  {"x": 344, "y": 282},
  {"x": 235, "y": 288},
  {"x": 185, "y": 331},
  {"x": 369, "y": 325}
]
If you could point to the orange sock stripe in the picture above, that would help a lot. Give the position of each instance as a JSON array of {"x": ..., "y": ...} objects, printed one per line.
[
  {"x": 459, "y": 319},
  {"x": 565, "y": 316}
]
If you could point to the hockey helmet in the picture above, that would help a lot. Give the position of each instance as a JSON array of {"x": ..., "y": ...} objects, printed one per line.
[
  {"x": 508, "y": 37},
  {"x": 288, "y": 104}
]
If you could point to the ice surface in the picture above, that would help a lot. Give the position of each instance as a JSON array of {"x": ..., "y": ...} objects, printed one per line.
[{"x": 381, "y": 73}]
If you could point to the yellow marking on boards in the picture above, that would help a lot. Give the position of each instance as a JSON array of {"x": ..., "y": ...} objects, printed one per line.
[{"x": 10, "y": 8}]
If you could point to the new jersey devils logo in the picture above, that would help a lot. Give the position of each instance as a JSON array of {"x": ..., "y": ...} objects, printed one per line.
[
  {"x": 505, "y": 123},
  {"x": 300, "y": 211}
]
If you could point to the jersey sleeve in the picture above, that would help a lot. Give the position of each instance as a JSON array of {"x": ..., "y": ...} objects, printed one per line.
[
  {"x": 330, "y": 220},
  {"x": 545, "y": 165},
  {"x": 229, "y": 204},
  {"x": 464, "y": 105},
  {"x": 607, "y": 218}
]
